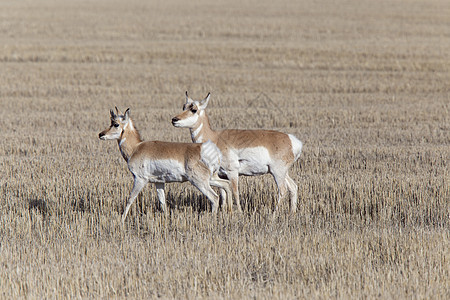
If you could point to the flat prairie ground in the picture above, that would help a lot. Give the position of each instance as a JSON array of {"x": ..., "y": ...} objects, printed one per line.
[{"x": 364, "y": 84}]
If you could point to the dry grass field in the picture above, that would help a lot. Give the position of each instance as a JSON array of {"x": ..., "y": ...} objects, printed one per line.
[{"x": 364, "y": 84}]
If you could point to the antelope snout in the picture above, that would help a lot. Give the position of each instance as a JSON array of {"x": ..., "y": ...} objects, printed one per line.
[
  {"x": 101, "y": 135},
  {"x": 174, "y": 120}
]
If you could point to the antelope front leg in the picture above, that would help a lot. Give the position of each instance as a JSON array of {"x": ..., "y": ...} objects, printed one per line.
[
  {"x": 224, "y": 186},
  {"x": 205, "y": 188},
  {"x": 223, "y": 199},
  {"x": 235, "y": 188},
  {"x": 161, "y": 195},
  {"x": 139, "y": 184}
]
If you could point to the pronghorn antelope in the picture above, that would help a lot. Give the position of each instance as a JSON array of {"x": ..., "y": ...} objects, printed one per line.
[
  {"x": 245, "y": 152},
  {"x": 161, "y": 162}
]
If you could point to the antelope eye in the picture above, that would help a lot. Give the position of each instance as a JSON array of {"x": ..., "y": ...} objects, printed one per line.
[
  {"x": 193, "y": 110},
  {"x": 116, "y": 125}
]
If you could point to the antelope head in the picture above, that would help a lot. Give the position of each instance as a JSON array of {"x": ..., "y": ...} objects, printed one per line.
[
  {"x": 119, "y": 122},
  {"x": 192, "y": 110}
]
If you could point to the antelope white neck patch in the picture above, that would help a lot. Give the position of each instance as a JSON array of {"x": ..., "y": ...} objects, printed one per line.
[
  {"x": 122, "y": 141},
  {"x": 197, "y": 131}
]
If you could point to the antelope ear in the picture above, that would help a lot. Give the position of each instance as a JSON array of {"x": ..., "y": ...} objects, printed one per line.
[
  {"x": 118, "y": 112},
  {"x": 188, "y": 100},
  {"x": 204, "y": 103},
  {"x": 113, "y": 116},
  {"x": 126, "y": 115}
]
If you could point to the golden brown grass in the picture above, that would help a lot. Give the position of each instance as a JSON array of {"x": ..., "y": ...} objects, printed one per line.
[{"x": 364, "y": 84}]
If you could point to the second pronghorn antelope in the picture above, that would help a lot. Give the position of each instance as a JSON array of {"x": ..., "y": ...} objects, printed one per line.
[
  {"x": 245, "y": 152},
  {"x": 162, "y": 162}
]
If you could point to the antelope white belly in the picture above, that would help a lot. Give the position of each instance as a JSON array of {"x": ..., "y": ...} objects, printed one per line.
[
  {"x": 254, "y": 161},
  {"x": 163, "y": 170}
]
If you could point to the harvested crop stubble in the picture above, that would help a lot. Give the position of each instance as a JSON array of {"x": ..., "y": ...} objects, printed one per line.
[{"x": 364, "y": 84}]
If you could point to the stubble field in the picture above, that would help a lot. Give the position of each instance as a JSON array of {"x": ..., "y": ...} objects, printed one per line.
[{"x": 364, "y": 84}]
